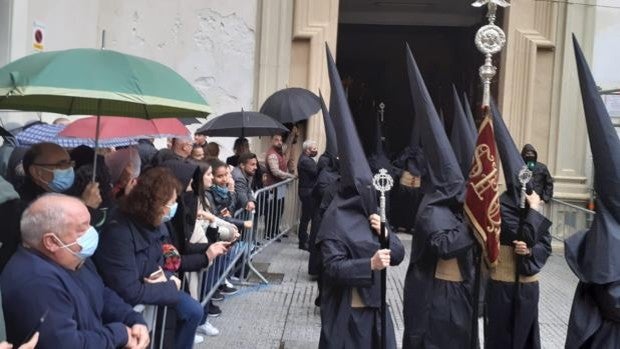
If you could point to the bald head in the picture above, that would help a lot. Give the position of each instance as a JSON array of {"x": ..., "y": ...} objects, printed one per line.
[{"x": 52, "y": 213}]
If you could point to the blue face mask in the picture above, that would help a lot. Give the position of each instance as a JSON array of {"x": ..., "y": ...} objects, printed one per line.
[
  {"x": 171, "y": 212},
  {"x": 63, "y": 180},
  {"x": 88, "y": 243}
]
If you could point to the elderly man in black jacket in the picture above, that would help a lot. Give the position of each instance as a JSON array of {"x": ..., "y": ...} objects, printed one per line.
[{"x": 306, "y": 169}]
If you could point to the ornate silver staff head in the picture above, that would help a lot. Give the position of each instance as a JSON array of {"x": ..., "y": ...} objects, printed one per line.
[
  {"x": 490, "y": 39},
  {"x": 382, "y": 182},
  {"x": 525, "y": 175}
]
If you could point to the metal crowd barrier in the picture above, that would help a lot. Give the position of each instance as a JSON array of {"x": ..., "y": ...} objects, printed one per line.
[
  {"x": 276, "y": 214},
  {"x": 567, "y": 218}
]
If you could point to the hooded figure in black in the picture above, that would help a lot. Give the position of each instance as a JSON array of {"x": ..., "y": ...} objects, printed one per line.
[
  {"x": 323, "y": 193},
  {"x": 542, "y": 182},
  {"x": 410, "y": 172},
  {"x": 350, "y": 249},
  {"x": 593, "y": 254},
  {"x": 512, "y": 310},
  {"x": 462, "y": 136},
  {"x": 437, "y": 297}
]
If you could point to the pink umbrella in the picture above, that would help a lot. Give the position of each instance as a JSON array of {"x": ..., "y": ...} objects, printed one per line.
[{"x": 124, "y": 127}]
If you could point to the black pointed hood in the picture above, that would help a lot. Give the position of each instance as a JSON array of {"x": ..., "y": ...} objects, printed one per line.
[
  {"x": 356, "y": 177},
  {"x": 330, "y": 133},
  {"x": 470, "y": 116},
  {"x": 593, "y": 254},
  {"x": 346, "y": 218},
  {"x": 462, "y": 138},
  {"x": 378, "y": 159},
  {"x": 443, "y": 168},
  {"x": 512, "y": 162}
]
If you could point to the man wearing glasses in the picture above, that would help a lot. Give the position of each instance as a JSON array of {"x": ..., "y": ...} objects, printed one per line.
[{"x": 48, "y": 169}]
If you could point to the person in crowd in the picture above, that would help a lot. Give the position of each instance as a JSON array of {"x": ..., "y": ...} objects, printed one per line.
[
  {"x": 10, "y": 212},
  {"x": 83, "y": 158},
  {"x": 243, "y": 177},
  {"x": 592, "y": 254},
  {"x": 48, "y": 168},
  {"x": 212, "y": 151},
  {"x": 51, "y": 277},
  {"x": 541, "y": 182},
  {"x": 241, "y": 146},
  {"x": 147, "y": 152},
  {"x": 511, "y": 311},
  {"x": 200, "y": 140},
  {"x": 307, "y": 171},
  {"x": 348, "y": 239},
  {"x": 276, "y": 161},
  {"x": 180, "y": 149},
  {"x": 194, "y": 256},
  {"x": 124, "y": 166},
  {"x": 198, "y": 153},
  {"x": 61, "y": 121},
  {"x": 130, "y": 253},
  {"x": 224, "y": 200},
  {"x": 441, "y": 273}
]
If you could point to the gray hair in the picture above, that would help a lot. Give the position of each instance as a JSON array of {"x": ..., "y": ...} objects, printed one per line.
[
  {"x": 308, "y": 144},
  {"x": 120, "y": 159},
  {"x": 39, "y": 219}
]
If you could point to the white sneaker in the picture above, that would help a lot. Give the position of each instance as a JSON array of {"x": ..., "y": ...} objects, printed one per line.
[
  {"x": 208, "y": 329},
  {"x": 198, "y": 339},
  {"x": 228, "y": 283}
]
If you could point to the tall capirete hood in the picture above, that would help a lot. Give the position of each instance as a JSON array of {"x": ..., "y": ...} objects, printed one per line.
[
  {"x": 443, "y": 168},
  {"x": 512, "y": 162},
  {"x": 593, "y": 254},
  {"x": 378, "y": 159},
  {"x": 462, "y": 137},
  {"x": 356, "y": 177},
  {"x": 330, "y": 132},
  {"x": 470, "y": 115}
]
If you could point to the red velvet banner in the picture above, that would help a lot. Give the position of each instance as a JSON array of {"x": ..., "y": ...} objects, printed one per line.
[{"x": 482, "y": 196}]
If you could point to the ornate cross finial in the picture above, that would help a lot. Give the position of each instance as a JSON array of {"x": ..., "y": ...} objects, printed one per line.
[
  {"x": 382, "y": 182},
  {"x": 490, "y": 39}
]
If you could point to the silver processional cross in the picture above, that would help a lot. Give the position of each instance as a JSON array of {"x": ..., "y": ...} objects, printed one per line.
[{"x": 382, "y": 182}]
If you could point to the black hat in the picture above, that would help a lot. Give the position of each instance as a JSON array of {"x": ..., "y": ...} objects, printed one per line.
[
  {"x": 356, "y": 177},
  {"x": 512, "y": 162},
  {"x": 330, "y": 133},
  {"x": 443, "y": 168},
  {"x": 462, "y": 137},
  {"x": 593, "y": 254}
]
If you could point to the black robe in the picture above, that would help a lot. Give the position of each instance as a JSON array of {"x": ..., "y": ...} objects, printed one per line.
[
  {"x": 341, "y": 325},
  {"x": 505, "y": 328},
  {"x": 438, "y": 313}
]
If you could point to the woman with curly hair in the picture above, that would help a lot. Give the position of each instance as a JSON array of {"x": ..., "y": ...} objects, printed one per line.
[{"x": 130, "y": 258}]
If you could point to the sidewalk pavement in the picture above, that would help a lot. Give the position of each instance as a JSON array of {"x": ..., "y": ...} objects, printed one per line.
[{"x": 282, "y": 314}]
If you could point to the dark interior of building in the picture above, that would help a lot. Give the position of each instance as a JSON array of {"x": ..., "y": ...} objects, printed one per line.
[{"x": 371, "y": 60}]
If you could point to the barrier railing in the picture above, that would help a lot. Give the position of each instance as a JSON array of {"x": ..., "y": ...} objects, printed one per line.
[
  {"x": 276, "y": 214},
  {"x": 567, "y": 218}
]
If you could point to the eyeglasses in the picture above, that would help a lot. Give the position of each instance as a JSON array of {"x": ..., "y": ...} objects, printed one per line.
[{"x": 61, "y": 164}]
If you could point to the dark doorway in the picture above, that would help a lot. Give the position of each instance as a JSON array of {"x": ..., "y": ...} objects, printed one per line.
[{"x": 371, "y": 61}]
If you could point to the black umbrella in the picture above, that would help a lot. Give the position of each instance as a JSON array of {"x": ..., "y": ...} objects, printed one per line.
[
  {"x": 291, "y": 105},
  {"x": 190, "y": 121},
  {"x": 242, "y": 124}
]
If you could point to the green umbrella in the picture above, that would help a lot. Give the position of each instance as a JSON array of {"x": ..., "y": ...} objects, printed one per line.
[{"x": 100, "y": 82}]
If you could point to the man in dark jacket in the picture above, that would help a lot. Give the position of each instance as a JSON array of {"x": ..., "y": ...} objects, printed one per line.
[
  {"x": 243, "y": 175},
  {"x": 542, "y": 182},
  {"x": 307, "y": 172},
  {"x": 51, "y": 277}
]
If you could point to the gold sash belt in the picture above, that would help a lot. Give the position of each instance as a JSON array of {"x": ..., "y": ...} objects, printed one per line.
[
  {"x": 505, "y": 269},
  {"x": 448, "y": 270},
  {"x": 356, "y": 299}
]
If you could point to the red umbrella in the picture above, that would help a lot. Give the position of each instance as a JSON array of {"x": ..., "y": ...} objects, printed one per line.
[{"x": 125, "y": 127}]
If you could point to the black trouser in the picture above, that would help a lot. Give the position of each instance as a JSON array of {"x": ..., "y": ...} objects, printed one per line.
[{"x": 307, "y": 211}]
